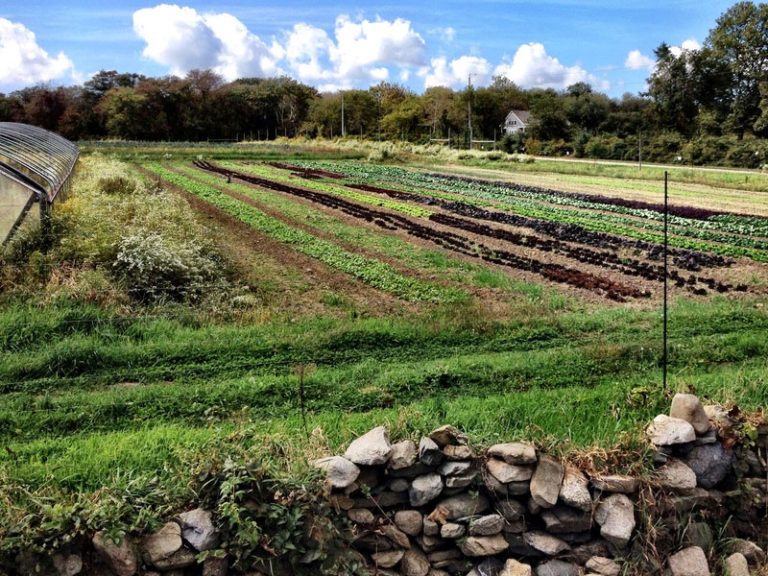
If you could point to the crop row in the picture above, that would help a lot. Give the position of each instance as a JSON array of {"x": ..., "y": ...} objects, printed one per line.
[
  {"x": 373, "y": 272},
  {"x": 450, "y": 240},
  {"x": 685, "y": 216}
]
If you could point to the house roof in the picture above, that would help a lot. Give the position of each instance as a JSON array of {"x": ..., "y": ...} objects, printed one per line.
[
  {"x": 40, "y": 160},
  {"x": 522, "y": 115}
]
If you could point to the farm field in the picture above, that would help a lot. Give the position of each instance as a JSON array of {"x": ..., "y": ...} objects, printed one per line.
[{"x": 359, "y": 293}]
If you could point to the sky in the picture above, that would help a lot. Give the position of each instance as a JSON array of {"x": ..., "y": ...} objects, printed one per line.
[{"x": 342, "y": 45}]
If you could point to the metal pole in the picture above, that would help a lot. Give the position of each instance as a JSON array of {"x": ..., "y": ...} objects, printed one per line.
[{"x": 666, "y": 238}]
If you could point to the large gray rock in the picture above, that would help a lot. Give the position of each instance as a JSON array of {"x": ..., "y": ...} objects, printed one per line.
[
  {"x": 616, "y": 517},
  {"x": 458, "y": 452},
  {"x": 162, "y": 544},
  {"x": 414, "y": 563},
  {"x": 566, "y": 520},
  {"x": 575, "y": 489},
  {"x": 120, "y": 558},
  {"x": 339, "y": 471},
  {"x": 711, "y": 463},
  {"x": 483, "y": 545},
  {"x": 371, "y": 449},
  {"x": 666, "y": 431},
  {"x": 506, "y": 473},
  {"x": 198, "y": 530},
  {"x": 736, "y": 565},
  {"x": 361, "y": 516},
  {"x": 452, "y": 531},
  {"x": 462, "y": 505},
  {"x": 429, "y": 452},
  {"x": 689, "y": 408},
  {"x": 387, "y": 559},
  {"x": 511, "y": 510},
  {"x": 395, "y": 535},
  {"x": 557, "y": 568},
  {"x": 545, "y": 543},
  {"x": 446, "y": 435},
  {"x": 409, "y": 521},
  {"x": 689, "y": 562},
  {"x": 546, "y": 482},
  {"x": 425, "y": 489},
  {"x": 454, "y": 468},
  {"x": 403, "y": 455},
  {"x": 676, "y": 475},
  {"x": 486, "y": 525},
  {"x": 514, "y": 568},
  {"x": 615, "y": 484},
  {"x": 751, "y": 551},
  {"x": 604, "y": 566},
  {"x": 513, "y": 453}
]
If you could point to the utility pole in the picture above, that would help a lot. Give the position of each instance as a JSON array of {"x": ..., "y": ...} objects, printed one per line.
[
  {"x": 343, "y": 128},
  {"x": 469, "y": 108}
]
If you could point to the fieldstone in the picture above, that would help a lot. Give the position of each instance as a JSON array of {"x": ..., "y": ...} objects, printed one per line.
[
  {"x": 436, "y": 572},
  {"x": 371, "y": 449},
  {"x": 384, "y": 499},
  {"x": 557, "y": 568},
  {"x": 215, "y": 566},
  {"x": 487, "y": 525},
  {"x": 514, "y": 568},
  {"x": 676, "y": 475},
  {"x": 414, "y": 563},
  {"x": 489, "y": 567},
  {"x": 565, "y": 520},
  {"x": 667, "y": 431},
  {"x": 459, "y": 481},
  {"x": 519, "y": 488},
  {"x": 751, "y": 551},
  {"x": 506, "y": 473},
  {"x": 163, "y": 543},
  {"x": 483, "y": 545},
  {"x": 198, "y": 530},
  {"x": 429, "y": 452},
  {"x": 69, "y": 565},
  {"x": 361, "y": 516},
  {"x": 736, "y": 565},
  {"x": 120, "y": 558},
  {"x": 452, "y": 531},
  {"x": 604, "y": 566},
  {"x": 441, "y": 558},
  {"x": 430, "y": 527},
  {"x": 399, "y": 485},
  {"x": 689, "y": 562},
  {"x": 403, "y": 455},
  {"x": 339, "y": 471},
  {"x": 575, "y": 489},
  {"x": 545, "y": 543},
  {"x": 711, "y": 463},
  {"x": 699, "y": 534},
  {"x": 387, "y": 559},
  {"x": 373, "y": 542},
  {"x": 460, "y": 452},
  {"x": 546, "y": 481},
  {"x": 709, "y": 437},
  {"x": 446, "y": 435},
  {"x": 511, "y": 510},
  {"x": 425, "y": 489},
  {"x": 409, "y": 521},
  {"x": 616, "y": 517},
  {"x": 688, "y": 407},
  {"x": 615, "y": 484},
  {"x": 513, "y": 453},
  {"x": 583, "y": 552},
  {"x": 182, "y": 558},
  {"x": 344, "y": 502},
  {"x": 431, "y": 543},
  {"x": 492, "y": 483},
  {"x": 462, "y": 505},
  {"x": 395, "y": 535},
  {"x": 417, "y": 469},
  {"x": 455, "y": 468}
]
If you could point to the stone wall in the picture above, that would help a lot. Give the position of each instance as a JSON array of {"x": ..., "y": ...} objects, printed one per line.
[{"x": 439, "y": 508}]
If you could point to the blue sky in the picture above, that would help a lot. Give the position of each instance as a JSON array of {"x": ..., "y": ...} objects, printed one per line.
[{"x": 544, "y": 43}]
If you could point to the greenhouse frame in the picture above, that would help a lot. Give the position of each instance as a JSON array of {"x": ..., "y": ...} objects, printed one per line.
[{"x": 36, "y": 169}]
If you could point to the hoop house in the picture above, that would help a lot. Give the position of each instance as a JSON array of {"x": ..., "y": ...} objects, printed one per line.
[{"x": 35, "y": 170}]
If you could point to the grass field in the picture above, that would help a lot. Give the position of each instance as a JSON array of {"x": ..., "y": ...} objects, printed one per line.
[{"x": 332, "y": 295}]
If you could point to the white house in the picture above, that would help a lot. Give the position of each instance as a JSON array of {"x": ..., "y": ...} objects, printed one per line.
[{"x": 516, "y": 121}]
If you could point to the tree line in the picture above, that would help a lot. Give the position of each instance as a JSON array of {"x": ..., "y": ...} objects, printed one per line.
[{"x": 702, "y": 106}]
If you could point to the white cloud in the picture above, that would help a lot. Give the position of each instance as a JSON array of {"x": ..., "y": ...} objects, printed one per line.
[
  {"x": 687, "y": 46},
  {"x": 532, "y": 67},
  {"x": 636, "y": 60},
  {"x": 24, "y": 62},
  {"x": 183, "y": 39},
  {"x": 455, "y": 74}
]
